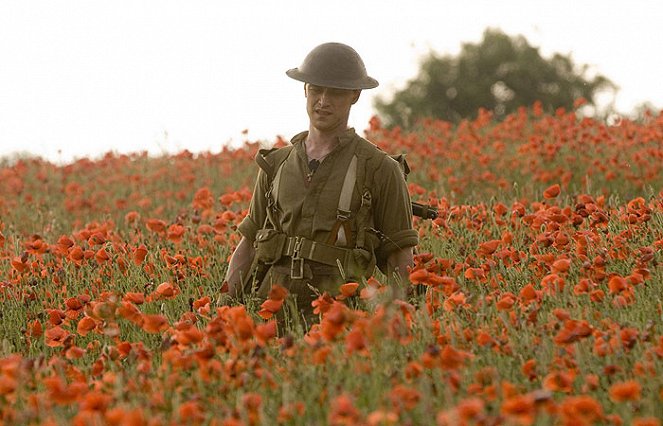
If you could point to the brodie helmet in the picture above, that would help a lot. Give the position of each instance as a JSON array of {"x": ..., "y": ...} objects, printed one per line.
[{"x": 334, "y": 65}]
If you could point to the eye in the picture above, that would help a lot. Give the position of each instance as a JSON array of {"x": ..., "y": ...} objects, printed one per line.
[{"x": 315, "y": 89}]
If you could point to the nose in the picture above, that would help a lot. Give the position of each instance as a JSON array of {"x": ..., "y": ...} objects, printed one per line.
[{"x": 324, "y": 97}]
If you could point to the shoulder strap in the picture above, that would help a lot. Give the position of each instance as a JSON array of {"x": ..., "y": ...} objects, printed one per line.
[
  {"x": 400, "y": 159},
  {"x": 371, "y": 156},
  {"x": 276, "y": 182},
  {"x": 355, "y": 175},
  {"x": 341, "y": 231},
  {"x": 271, "y": 162},
  {"x": 348, "y": 185},
  {"x": 270, "y": 159}
]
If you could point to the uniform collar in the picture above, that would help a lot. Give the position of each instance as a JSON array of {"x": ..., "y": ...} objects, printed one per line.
[
  {"x": 346, "y": 137},
  {"x": 344, "y": 140}
]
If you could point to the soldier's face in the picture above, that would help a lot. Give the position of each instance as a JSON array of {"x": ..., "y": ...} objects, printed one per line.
[{"x": 328, "y": 109}]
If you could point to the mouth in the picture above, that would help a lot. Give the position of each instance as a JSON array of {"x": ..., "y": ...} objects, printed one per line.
[{"x": 323, "y": 113}]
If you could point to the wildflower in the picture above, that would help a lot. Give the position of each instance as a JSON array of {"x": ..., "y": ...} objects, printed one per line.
[
  {"x": 343, "y": 411},
  {"x": 119, "y": 416},
  {"x": 322, "y": 304},
  {"x": 154, "y": 323},
  {"x": 61, "y": 393},
  {"x": 552, "y": 191},
  {"x": 617, "y": 284},
  {"x": 487, "y": 248},
  {"x": 581, "y": 409},
  {"x": 133, "y": 297},
  {"x": 529, "y": 369},
  {"x": 452, "y": 358},
  {"x": 191, "y": 412},
  {"x": 404, "y": 397},
  {"x": 355, "y": 340},
  {"x": 347, "y": 290},
  {"x": 520, "y": 408},
  {"x": 175, "y": 233},
  {"x": 561, "y": 381},
  {"x": 272, "y": 305},
  {"x": 290, "y": 412},
  {"x": 85, "y": 325},
  {"x": 203, "y": 199},
  {"x": 572, "y": 331},
  {"x": 156, "y": 225},
  {"x": 166, "y": 290},
  {"x": 55, "y": 336},
  {"x": 625, "y": 391}
]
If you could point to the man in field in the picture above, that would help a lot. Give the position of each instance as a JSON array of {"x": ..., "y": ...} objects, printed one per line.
[{"x": 330, "y": 207}]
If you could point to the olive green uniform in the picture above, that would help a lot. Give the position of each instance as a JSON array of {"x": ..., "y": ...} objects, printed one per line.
[{"x": 306, "y": 206}]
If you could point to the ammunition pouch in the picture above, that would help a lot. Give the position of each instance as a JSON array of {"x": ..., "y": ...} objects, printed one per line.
[
  {"x": 268, "y": 251},
  {"x": 363, "y": 264},
  {"x": 269, "y": 246}
]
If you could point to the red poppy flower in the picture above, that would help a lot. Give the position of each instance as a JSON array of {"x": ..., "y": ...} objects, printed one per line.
[
  {"x": 139, "y": 254},
  {"x": 156, "y": 225},
  {"x": 348, "y": 290},
  {"x": 154, "y": 323},
  {"x": 625, "y": 391},
  {"x": 85, "y": 325},
  {"x": 55, "y": 336},
  {"x": 552, "y": 191}
]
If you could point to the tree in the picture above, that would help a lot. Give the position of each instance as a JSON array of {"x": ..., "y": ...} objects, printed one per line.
[
  {"x": 501, "y": 73},
  {"x": 644, "y": 111}
]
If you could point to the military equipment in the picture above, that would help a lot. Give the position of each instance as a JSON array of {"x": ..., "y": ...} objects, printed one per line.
[
  {"x": 424, "y": 211},
  {"x": 334, "y": 65}
]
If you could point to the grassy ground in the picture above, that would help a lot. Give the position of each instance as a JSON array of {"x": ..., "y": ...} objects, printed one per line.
[{"x": 540, "y": 280}]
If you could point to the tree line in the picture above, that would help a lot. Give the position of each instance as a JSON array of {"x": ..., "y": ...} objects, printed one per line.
[{"x": 500, "y": 73}]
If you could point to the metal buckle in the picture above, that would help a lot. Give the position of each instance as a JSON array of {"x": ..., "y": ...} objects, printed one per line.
[
  {"x": 297, "y": 263},
  {"x": 343, "y": 215},
  {"x": 366, "y": 198}
]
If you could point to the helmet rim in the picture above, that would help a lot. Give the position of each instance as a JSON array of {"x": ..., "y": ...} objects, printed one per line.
[{"x": 357, "y": 84}]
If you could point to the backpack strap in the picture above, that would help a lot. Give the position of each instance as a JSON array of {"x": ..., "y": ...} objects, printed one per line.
[
  {"x": 400, "y": 159},
  {"x": 363, "y": 217},
  {"x": 341, "y": 230},
  {"x": 274, "y": 190},
  {"x": 271, "y": 161},
  {"x": 366, "y": 154}
]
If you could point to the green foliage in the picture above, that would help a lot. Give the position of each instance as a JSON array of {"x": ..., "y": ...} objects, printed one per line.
[{"x": 500, "y": 74}]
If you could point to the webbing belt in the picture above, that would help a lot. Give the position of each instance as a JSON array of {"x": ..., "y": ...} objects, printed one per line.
[{"x": 301, "y": 249}]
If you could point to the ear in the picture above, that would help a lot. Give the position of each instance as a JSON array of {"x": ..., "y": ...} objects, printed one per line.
[
  {"x": 356, "y": 96},
  {"x": 305, "y": 91}
]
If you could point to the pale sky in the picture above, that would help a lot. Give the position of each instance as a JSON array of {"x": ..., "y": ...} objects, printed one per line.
[{"x": 80, "y": 78}]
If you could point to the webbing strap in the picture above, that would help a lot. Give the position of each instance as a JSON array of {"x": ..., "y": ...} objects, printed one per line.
[
  {"x": 348, "y": 185},
  {"x": 362, "y": 217},
  {"x": 276, "y": 182},
  {"x": 344, "y": 201}
]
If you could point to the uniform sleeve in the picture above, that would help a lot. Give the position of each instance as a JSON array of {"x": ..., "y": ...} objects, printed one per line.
[
  {"x": 257, "y": 210},
  {"x": 392, "y": 214}
]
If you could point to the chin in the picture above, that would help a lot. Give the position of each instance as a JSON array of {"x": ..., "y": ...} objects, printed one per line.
[{"x": 324, "y": 125}]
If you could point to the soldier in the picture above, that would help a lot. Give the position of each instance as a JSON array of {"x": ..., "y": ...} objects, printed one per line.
[{"x": 329, "y": 208}]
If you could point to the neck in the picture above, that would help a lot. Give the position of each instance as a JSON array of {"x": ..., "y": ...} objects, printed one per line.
[{"x": 318, "y": 140}]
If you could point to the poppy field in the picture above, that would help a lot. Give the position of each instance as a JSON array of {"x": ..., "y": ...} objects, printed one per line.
[{"x": 537, "y": 300}]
